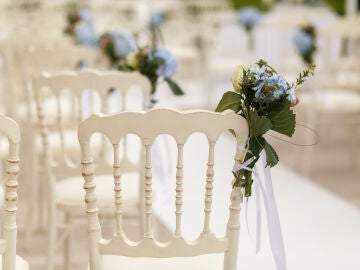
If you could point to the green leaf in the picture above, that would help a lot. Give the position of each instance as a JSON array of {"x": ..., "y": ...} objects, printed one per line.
[
  {"x": 271, "y": 156},
  {"x": 125, "y": 68},
  {"x": 230, "y": 100},
  {"x": 256, "y": 145},
  {"x": 175, "y": 88},
  {"x": 258, "y": 125},
  {"x": 284, "y": 121}
]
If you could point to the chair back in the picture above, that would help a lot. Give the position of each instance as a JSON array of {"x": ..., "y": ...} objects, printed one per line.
[
  {"x": 75, "y": 95},
  {"x": 147, "y": 126},
  {"x": 9, "y": 227}
]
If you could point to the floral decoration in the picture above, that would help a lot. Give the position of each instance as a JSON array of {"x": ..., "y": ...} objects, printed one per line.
[
  {"x": 80, "y": 26},
  {"x": 156, "y": 21},
  {"x": 154, "y": 63},
  {"x": 304, "y": 40},
  {"x": 249, "y": 17},
  {"x": 265, "y": 99},
  {"x": 117, "y": 45}
]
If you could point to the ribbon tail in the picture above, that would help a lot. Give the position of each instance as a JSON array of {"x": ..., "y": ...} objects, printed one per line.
[
  {"x": 258, "y": 210},
  {"x": 272, "y": 216}
]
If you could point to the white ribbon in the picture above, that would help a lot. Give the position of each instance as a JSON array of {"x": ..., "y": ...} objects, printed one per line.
[
  {"x": 272, "y": 217},
  {"x": 265, "y": 192}
]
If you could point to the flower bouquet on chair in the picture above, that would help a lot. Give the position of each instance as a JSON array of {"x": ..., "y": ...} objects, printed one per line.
[
  {"x": 305, "y": 42},
  {"x": 155, "y": 63},
  {"x": 80, "y": 27},
  {"x": 265, "y": 99},
  {"x": 249, "y": 17},
  {"x": 117, "y": 45}
]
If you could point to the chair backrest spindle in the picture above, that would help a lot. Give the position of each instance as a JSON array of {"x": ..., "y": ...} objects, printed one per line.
[{"x": 179, "y": 125}]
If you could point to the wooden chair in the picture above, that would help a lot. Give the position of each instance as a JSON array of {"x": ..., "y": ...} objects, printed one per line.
[
  {"x": 10, "y": 261},
  {"x": 179, "y": 125},
  {"x": 57, "y": 160}
]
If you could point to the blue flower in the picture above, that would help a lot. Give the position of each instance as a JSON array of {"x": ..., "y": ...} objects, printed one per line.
[
  {"x": 124, "y": 43},
  {"x": 85, "y": 15},
  {"x": 303, "y": 41},
  {"x": 281, "y": 83},
  {"x": 260, "y": 74},
  {"x": 86, "y": 35},
  {"x": 291, "y": 95},
  {"x": 169, "y": 63},
  {"x": 249, "y": 17},
  {"x": 156, "y": 19}
]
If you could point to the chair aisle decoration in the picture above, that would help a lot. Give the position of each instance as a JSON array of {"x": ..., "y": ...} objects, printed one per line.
[
  {"x": 264, "y": 98},
  {"x": 305, "y": 42},
  {"x": 10, "y": 261},
  {"x": 179, "y": 125},
  {"x": 124, "y": 53}
]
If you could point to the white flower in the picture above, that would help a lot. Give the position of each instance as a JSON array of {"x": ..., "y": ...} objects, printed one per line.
[
  {"x": 237, "y": 77},
  {"x": 132, "y": 60}
]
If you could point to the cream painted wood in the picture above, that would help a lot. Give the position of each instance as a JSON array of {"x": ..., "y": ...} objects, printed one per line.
[
  {"x": 148, "y": 125},
  {"x": 63, "y": 166},
  {"x": 10, "y": 261}
]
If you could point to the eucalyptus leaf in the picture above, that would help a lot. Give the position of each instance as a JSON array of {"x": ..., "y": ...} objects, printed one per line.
[
  {"x": 258, "y": 125},
  {"x": 230, "y": 100},
  {"x": 284, "y": 121},
  {"x": 175, "y": 88}
]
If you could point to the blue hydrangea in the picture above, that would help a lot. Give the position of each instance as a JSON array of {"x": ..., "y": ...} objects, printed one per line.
[
  {"x": 169, "y": 66},
  {"x": 124, "y": 43},
  {"x": 85, "y": 15},
  {"x": 260, "y": 75},
  {"x": 283, "y": 85},
  {"x": 156, "y": 19},
  {"x": 263, "y": 75},
  {"x": 303, "y": 41},
  {"x": 86, "y": 35},
  {"x": 291, "y": 95},
  {"x": 249, "y": 17}
]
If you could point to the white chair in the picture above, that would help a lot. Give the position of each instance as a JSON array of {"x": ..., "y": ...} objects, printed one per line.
[
  {"x": 10, "y": 261},
  {"x": 57, "y": 160},
  {"x": 179, "y": 125}
]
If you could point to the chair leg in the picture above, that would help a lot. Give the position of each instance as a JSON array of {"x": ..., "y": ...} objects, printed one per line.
[
  {"x": 51, "y": 228},
  {"x": 68, "y": 242}
]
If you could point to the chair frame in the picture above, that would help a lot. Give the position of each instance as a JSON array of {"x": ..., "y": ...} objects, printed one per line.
[
  {"x": 147, "y": 126},
  {"x": 77, "y": 82},
  {"x": 8, "y": 243}
]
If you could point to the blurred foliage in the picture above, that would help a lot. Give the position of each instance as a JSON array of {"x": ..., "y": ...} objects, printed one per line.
[
  {"x": 339, "y": 5},
  {"x": 260, "y": 4}
]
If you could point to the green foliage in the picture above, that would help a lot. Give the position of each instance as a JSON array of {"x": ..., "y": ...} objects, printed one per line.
[
  {"x": 309, "y": 71},
  {"x": 174, "y": 87},
  {"x": 258, "y": 125},
  {"x": 237, "y": 4},
  {"x": 229, "y": 101},
  {"x": 284, "y": 121},
  {"x": 339, "y": 5}
]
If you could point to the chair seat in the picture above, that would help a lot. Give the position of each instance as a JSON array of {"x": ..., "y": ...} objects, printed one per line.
[
  {"x": 21, "y": 264},
  {"x": 70, "y": 196},
  {"x": 208, "y": 262}
]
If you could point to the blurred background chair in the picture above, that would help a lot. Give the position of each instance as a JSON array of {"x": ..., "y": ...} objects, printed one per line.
[
  {"x": 179, "y": 125},
  {"x": 85, "y": 92},
  {"x": 9, "y": 259}
]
